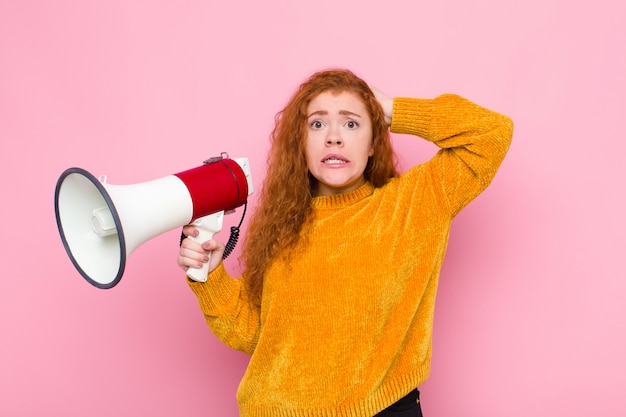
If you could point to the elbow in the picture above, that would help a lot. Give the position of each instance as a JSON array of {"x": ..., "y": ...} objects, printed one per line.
[
  {"x": 502, "y": 136},
  {"x": 505, "y": 128}
]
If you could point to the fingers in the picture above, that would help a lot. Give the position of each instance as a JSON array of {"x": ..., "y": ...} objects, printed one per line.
[
  {"x": 213, "y": 246},
  {"x": 190, "y": 230},
  {"x": 385, "y": 101},
  {"x": 194, "y": 255},
  {"x": 216, "y": 250},
  {"x": 191, "y": 255}
]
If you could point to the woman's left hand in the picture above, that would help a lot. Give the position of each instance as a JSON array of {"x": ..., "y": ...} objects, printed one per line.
[{"x": 385, "y": 101}]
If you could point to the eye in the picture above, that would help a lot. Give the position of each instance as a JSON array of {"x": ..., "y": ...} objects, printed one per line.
[
  {"x": 351, "y": 124},
  {"x": 316, "y": 124}
]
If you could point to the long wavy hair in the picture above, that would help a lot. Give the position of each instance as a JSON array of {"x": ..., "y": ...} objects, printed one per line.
[{"x": 284, "y": 203}]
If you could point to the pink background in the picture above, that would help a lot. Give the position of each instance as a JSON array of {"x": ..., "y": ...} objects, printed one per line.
[{"x": 530, "y": 314}]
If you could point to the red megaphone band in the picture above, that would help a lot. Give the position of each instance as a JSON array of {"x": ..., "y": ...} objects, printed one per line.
[{"x": 216, "y": 186}]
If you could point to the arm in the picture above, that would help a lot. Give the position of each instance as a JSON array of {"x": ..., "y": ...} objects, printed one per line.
[
  {"x": 227, "y": 311},
  {"x": 232, "y": 318},
  {"x": 473, "y": 142}
]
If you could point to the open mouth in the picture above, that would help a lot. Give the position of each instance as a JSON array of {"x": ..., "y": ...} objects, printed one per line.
[{"x": 334, "y": 160}]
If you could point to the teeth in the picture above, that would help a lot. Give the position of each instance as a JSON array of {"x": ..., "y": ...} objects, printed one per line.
[{"x": 334, "y": 161}]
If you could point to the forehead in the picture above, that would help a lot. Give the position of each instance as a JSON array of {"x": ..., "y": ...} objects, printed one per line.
[{"x": 333, "y": 102}]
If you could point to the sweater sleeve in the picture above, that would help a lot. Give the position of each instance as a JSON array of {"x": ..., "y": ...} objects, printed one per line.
[
  {"x": 473, "y": 142},
  {"x": 232, "y": 318}
]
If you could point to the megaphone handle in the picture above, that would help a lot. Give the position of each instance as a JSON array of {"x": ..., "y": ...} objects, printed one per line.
[{"x": 207, "y": 226}]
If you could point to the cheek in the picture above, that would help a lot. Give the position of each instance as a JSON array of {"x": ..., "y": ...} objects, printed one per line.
[
  {"x": 309, "y": 152},
  {"x": 370, "y": 147},
  {"x": 314, "y": 142}
]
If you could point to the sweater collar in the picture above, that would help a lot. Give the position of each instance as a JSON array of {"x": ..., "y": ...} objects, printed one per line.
[{"x": 343, "y": 200}]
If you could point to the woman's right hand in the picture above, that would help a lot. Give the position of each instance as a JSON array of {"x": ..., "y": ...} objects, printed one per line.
[{"x": 194, "y": 255}]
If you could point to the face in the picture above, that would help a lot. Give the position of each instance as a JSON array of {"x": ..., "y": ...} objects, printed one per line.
[{"x": 339, "y": 141}]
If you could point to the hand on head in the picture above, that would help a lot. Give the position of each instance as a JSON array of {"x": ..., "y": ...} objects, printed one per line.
[{"x": 385, "y": 101}]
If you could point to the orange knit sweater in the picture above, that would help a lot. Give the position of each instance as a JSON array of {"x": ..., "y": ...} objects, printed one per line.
[{"x": 345, "y": 326}]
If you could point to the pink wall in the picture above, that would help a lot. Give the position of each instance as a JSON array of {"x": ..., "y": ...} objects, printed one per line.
[{"x": 530, "y": 311}]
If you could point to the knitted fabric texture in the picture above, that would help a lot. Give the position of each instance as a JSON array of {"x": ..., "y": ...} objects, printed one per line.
[{"x": 345, "y": 326}]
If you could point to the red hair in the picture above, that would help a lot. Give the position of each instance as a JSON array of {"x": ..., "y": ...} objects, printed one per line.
[{"x": 285, "y": 198}]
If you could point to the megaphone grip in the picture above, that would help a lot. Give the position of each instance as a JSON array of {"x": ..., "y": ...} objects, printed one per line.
[{"x": 207, "y": 227}]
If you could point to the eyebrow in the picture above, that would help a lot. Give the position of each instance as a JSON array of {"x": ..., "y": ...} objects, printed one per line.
[{"x": 341, "y": 112}]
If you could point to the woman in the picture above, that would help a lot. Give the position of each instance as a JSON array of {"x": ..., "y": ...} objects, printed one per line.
[{"x": 342, "y": 256}]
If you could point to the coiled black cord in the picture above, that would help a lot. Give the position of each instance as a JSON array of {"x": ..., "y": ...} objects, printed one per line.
[{"x": 234, "y": 234}]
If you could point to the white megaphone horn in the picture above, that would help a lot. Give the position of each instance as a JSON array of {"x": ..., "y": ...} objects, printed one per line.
[{"x": 102, "y": 224}]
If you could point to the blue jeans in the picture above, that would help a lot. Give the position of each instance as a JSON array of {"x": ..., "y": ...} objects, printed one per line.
[{"x": 408, "y": 406}]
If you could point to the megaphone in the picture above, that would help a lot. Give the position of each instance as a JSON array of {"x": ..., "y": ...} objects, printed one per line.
[{"x": 102, "y": 224}]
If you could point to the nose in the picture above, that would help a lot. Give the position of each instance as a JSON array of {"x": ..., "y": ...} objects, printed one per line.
[{"x": 333, "y": 138}]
